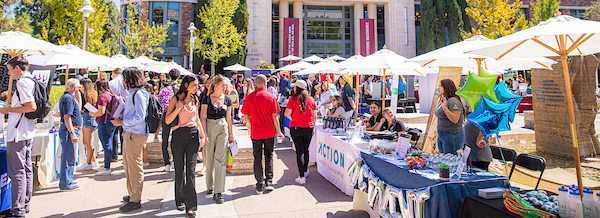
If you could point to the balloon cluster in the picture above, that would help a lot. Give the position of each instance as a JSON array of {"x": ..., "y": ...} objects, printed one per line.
[
  {"x": 392, "y": 201},
  {"x": 495, "y": 105}
]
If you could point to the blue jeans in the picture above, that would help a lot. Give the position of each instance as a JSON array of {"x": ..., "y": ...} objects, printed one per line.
[
  {"x": 67, "y": 160},
  {"x": 449, "y": 142},
  {"x": 105, "y": 133}
]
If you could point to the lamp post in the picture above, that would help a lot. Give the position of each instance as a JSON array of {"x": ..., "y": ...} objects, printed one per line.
[
  {"x": 86, "y": 9},
  {"x": 192, "y": 39}
]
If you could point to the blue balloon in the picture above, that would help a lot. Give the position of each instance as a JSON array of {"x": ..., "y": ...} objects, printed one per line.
[
  {"x": 491, "y": 117},
  {"x": 507, "y": 96}
]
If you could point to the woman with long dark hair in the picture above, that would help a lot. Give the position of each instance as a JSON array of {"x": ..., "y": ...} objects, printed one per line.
[
  {"x": 303, "y": 112},
  {"x": 88, "y": 95},
  {"x": 105, "y": 127},
  {"x": 450, "y": 116},
  {"x": 338, "y": 109},
  {"x": 216, "y": 120},
  {"x": 185, "y": 142}
]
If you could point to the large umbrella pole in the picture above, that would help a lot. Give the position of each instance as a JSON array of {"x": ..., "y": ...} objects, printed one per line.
[
  {"x": 356, "y": 98},
  {"x": 383, "y": 95},
  {"x": 11, "y": 53},
  {"x": 66, "y": 75},
  {"x": 478, "y": 65},
  {"x": 563, "y": 56}
]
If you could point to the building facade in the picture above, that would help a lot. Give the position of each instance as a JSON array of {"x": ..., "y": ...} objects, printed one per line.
[
  {"x": 320, "y": 27},
  {"x": 178, "y": 14}
]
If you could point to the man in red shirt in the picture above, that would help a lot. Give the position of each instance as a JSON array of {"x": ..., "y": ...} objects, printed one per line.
[{"x": 260, "y": 111}]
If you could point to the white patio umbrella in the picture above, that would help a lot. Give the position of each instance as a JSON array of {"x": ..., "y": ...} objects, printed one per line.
[
  {"x": 166, "y": 68},
  {"x": 342, "y": 65},
  {"x": 454, "y": 56},
  {"x": 318, "y": 68},
  {"x": 237, "y": 67},
  {"x": 146, "y": 63},
  {"x": 122, "y": 61},
  {"x": 558, "y": 36},
  {"x": 290, "y": 58},
  {"x": 300, "y": 65},
  {"x": 16, "y": 43},
  {"x": 337, "y": 58},
  {"x": 76, "y": 58},
  {"x": 385, "y": 62},
  {"x": 313, "y": 58}
]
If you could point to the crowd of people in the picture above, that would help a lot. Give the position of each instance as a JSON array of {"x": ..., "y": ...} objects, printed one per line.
[{"x": 197, "y": 116}]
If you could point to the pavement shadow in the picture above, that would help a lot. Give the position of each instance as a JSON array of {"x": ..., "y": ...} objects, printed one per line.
[
  {"x": 148, "y": 209},
  {"x": 321, "y": 189},
  {"x": 350, "y": 213}
]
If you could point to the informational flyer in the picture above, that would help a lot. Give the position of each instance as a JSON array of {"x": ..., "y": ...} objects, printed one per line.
[{"x": 403, "y": 145}]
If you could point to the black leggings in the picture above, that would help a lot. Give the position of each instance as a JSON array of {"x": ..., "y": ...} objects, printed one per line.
[
  {"x": 184, "y": 147},
  {"x": 302, "y": 137}
]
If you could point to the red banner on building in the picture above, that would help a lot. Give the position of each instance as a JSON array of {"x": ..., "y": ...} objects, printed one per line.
[
  {"x": 291, "y": 36},
  {"x": 367, "y": 37}
]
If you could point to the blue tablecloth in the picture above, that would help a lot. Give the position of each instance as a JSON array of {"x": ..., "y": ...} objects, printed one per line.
[
  {"x": 445, "y": 197},
  {"x": 5, "y": 193}
]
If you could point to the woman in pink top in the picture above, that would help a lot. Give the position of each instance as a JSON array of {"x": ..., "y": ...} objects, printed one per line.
[{"x": 185, "y": 142}]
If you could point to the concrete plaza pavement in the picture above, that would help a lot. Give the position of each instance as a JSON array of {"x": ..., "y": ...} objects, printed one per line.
[{"x": 100, "y": 196}]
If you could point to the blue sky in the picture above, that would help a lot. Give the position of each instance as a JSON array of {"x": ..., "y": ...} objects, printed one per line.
[{"x": 117, "y": 2}]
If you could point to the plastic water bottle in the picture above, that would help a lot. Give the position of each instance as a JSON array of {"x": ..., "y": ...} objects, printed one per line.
[
  {"x": 279, "y": 139},
  {"x": 563, "y": 201},
  {"x": 589, "y": 205},
  {"x": 575, "y": 205}
]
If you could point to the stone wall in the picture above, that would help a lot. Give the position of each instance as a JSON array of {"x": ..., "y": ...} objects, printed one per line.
[{"x": 551, "y": 117}]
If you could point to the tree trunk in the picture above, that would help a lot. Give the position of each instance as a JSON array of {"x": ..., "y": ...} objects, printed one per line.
[{"x": 212, "y": 68}]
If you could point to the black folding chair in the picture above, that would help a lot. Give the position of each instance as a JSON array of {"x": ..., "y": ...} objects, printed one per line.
[
  {"x": 509, "y": 154},
  {"x": 531, "y": 162},
  {"x": 410, "y": 104}
]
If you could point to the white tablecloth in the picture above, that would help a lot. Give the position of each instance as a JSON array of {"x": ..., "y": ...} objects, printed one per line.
[
  {"x": 46, "y": 149},
  {"x": 334, "y": 157}
]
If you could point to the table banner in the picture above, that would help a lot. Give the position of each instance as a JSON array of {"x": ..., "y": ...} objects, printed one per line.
[
  {"x": 367, "y": 37},
  {"x": 334, "y": 157},
  {"x": 291, "y": 36}
]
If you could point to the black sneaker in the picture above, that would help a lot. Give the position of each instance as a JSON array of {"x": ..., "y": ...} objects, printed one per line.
[
  {"x": 269, "y": 187},
  {"x": 209, "y": 192},
  {"x": 218, "y": 198},
  {"x": 126, "y": 198},
  {"x": 259, "y": 188},
  {"x": 181, "y": 207},
  {"x": 131, "y": 206},
  {"x": 191, "y": 213}
]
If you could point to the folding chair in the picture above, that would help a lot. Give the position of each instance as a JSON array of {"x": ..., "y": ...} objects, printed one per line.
[{"x": 531, "y": 162}]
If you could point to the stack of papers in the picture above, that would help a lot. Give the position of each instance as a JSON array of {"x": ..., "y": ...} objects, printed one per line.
[{"x": 491, "y": 193}]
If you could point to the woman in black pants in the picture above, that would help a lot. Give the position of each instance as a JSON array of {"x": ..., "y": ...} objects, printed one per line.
[
  {"x": 185, "y": 142},
  {"x": 303, "y": 112}
]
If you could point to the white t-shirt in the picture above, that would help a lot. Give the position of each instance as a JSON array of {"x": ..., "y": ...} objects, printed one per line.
[
  {"x": 26, "y": 128},
  {"x": 325, "y": 97},
  {"x": 117, "y": 87}
]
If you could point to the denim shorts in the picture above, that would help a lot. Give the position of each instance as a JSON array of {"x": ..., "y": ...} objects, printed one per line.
[{"x": 89, "y": 121}]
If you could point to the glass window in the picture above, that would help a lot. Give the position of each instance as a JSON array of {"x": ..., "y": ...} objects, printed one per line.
[
  {"x": 577, "y": 13},
  {"x": 333, "y": 30},
  {"x": 157, "y": 12},
  {"x": 173, "y": 19}
]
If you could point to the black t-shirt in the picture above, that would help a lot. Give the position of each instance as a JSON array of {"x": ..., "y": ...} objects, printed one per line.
[
  {"x": 213, "y": 112},
  {"x": 397, "y": 126},
  {"x": 374, "y": 119}
]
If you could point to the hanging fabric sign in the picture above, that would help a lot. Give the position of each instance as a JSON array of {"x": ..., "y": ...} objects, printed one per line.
[
  {"x": 367, "y": 37},
  {"x": 291, "y": 36}
]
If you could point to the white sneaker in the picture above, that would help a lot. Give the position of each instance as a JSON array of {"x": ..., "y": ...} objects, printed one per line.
[
  {"x": 156, "y": 140},
  {"x": 147, "y": 164},
  {"x": 301, "y": 180},
  {"x": 84, "y": 167},
  {"x": 168, "y": 168},
  {"x": 95, "y": 164},
  {"x": 104, "y": 172},
  {"x": 100, "y": 168},
  {"x": 306, "y": 173}
]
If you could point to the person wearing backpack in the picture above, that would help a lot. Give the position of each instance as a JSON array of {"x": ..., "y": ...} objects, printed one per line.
[
  {"x": 135, "y": 134},
  {"x": 164, "y": 96},
  {"x": 20, "y": 132},
  {"x": 107, "y": 103}
]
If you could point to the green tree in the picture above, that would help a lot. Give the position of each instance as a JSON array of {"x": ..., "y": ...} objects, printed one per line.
[
  {"x": 454, "y": 21},
  {"x": 593, "y": 12},
  {"x": 141, "y": 38},
  {"x": 8, "y": 22},
  {"x": 111, "y": 35},
  {"x": 68, "y": 23},
  {"x": 543, "y": 10},
  {"x": 218, "y": 38},
  {"x": 465, "y": 18},
  {"x": 40, "y": 16},
  {"x": 429, "y": 27},
  {"x": 496, "y": 18},
  {"x": 240, "y": 21}
]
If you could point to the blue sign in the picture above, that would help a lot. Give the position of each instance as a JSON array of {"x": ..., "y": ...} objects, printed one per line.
[{"x": 257, "y": 72}]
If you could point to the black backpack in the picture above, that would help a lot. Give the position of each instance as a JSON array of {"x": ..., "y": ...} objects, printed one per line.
[
  {"x": 155, "y": 113},
  {"x": 42, "y": 100}
]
